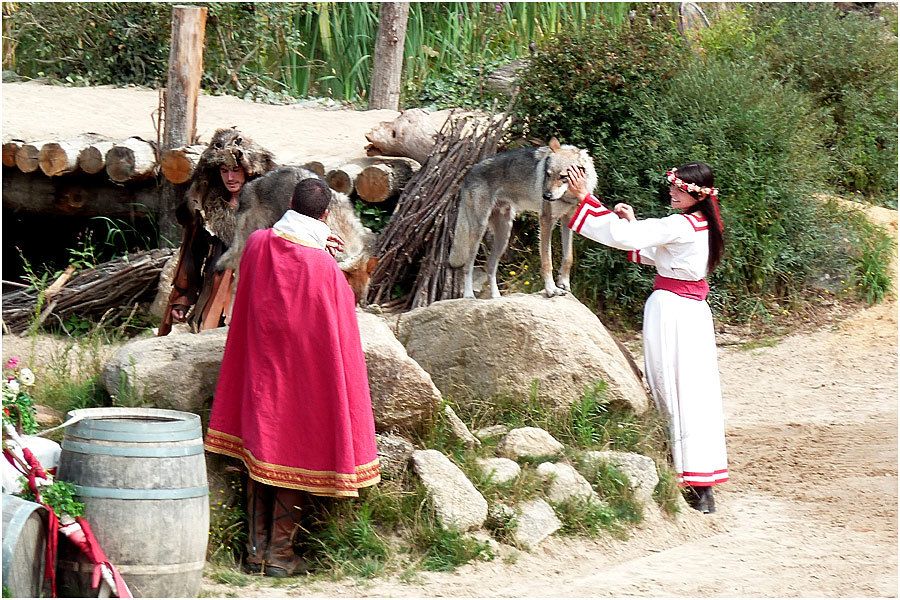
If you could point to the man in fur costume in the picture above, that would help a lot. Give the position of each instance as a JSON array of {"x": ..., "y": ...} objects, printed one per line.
[{"x": 201, "y": 295}]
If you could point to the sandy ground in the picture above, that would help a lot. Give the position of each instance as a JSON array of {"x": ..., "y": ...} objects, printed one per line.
[
  {"x": 811, "y": 509},
  {"x": 295, "y": 133}
]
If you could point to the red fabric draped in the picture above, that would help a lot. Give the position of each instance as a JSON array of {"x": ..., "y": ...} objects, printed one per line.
[{"x": 292, "y": 401}]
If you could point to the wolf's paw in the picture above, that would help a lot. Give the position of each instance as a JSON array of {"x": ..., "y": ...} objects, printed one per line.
[
  {"x": 550, "y": 292},
  {"x": 563, "y": 284}
]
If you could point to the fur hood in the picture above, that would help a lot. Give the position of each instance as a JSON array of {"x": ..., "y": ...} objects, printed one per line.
[{"x": 207, "y": 193}]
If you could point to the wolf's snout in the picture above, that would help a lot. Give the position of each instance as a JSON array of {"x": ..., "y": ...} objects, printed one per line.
[{"x": 548, "y": 196}]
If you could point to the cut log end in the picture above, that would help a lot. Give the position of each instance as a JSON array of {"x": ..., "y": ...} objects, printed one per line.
[
  {"x": 120, "y": 164},
  {"x": 55, "y": 160},
  {"x": 316, "y": 167},
  {"x": 132, "y": 159},
  {"x": 378, "y": 182},
  {"x": 27, "y": 158},
  {"x": 92, "y": 160},
  {"x": 9, "y": 152}
]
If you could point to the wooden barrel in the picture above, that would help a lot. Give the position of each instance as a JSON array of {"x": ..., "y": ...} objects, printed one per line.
[
  {"x": 141, "y": 474},
  {"x": 24, "y": 543}
]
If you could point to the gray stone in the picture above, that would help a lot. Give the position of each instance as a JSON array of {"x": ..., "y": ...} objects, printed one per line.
[
  {"x": 535, "y": 523},
  {"x": 394, "y": 453},
  {"x": 494, "y": 431},
  {"x": 641, "y": 470},
  {"x": 456, "y": 502},
  {"x": 566, "y": 484},
  {"x": 179, "y": 371},
  {"x": 506, "y": 346},
  {"x": 403, "y": 395},
  {"x": 459, "y": 429},
  {"x": 501, "y": 470},
  {"x": 528, "y": 442}
]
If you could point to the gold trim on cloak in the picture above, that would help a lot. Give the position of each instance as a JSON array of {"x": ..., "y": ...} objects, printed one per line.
[{"x": 325, "y": 483}]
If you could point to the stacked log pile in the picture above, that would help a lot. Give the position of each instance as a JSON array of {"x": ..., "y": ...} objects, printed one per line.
[
  {"x": 414, "y": 247},
  {"x": 128, "y": 160},
  {"x": 112, "y": 287}
]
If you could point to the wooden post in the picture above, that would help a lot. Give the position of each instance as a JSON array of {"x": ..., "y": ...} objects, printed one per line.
[
  {"x": 182, "y": 90},
  {"x": 387, "y": 60}
]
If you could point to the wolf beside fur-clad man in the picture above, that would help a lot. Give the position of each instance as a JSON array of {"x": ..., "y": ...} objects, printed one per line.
[
  {"x": 208, "y": 218},
  {"x": 292, "y": 401}
]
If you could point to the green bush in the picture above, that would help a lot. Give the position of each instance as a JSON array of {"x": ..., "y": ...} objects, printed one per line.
[
  {"x": 583, "y": 84},
  {"x": 847, "y": 63},
  {"x": 764, "y": 139},
  {"x": 92, "y": 43}
]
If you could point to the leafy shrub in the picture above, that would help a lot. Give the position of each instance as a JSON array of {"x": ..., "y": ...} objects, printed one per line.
[
  {"x": 583, "y": 84},
  {"x": 93, "y": 43},
  {"x": 848, "y": 64},
  {"x": 764, "y": 139}
]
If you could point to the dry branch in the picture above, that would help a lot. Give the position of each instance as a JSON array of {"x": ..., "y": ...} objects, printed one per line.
[
  {"x": 414, "y": 247},
  {"x": 113, "y": 285}
]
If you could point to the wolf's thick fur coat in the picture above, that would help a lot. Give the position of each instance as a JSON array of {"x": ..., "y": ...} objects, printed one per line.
[
  {"x": 266, "y": 199},
  {"x": 498, "y": 188}
]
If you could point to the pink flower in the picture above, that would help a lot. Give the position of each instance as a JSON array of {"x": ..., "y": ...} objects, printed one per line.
[{"x": 12, "y": 363}]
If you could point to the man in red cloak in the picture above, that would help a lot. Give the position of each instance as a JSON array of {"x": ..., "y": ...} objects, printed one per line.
[{"x": 292, "y": 401}]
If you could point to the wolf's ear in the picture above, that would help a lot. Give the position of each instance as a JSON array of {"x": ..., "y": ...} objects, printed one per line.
[
  {"x": 554, "y": 144},
  {"x": 371, "y": 264}
]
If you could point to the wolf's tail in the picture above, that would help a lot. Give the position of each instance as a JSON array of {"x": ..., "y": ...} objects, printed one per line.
[{"x": 463, "y": 246}]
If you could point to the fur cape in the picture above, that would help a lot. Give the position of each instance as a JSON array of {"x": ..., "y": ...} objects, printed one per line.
[{"x": 207, "y": 193}]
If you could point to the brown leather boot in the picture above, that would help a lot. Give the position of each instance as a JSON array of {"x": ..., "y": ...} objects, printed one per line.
[
  {"x": 281, "y": 560},
  {"x": 260, "y": 501}
]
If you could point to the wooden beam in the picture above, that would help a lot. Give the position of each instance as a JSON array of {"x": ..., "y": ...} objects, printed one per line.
[{"x": 182, "y": 90}]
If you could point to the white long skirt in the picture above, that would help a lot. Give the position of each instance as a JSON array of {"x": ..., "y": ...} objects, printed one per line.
[{"x": 683, "y": 374}]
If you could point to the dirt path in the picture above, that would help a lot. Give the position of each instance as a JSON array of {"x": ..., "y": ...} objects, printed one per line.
[{"x": 811, "y": 509}]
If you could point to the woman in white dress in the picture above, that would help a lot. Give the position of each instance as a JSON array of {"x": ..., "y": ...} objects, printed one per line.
[{"x": 679, "y": 342}]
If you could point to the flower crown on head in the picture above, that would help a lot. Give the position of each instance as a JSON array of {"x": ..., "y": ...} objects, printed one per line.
[{"x": 689, "y": 187}]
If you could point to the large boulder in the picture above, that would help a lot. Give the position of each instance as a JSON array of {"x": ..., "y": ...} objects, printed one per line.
[
  {"x": 177, "y": 371},
  {"x": 403, "y": 396},
  {"x": 511, "y": 345},
  {"x": 180, "y": 371},
  {"x": 529, "y": 442}
]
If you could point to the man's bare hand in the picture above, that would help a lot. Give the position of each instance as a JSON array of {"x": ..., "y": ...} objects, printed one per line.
[
  {"x": 334, "y": 245},
  {"x": 179, "y": 313}
]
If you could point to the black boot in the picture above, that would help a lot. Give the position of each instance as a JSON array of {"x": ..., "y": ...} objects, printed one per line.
[
  {"x": 709, "y": 500},
  {"x": 704, "y": 500},
  {"x": 281, "y": 560},
  {"x": 260, "y": 498},
  {"x": 692, "y": 496}
]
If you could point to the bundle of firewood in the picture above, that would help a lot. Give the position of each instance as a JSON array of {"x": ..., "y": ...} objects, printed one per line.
[
  {"x": 109, "y": 289},
  {"x": 414, "y": 247}
]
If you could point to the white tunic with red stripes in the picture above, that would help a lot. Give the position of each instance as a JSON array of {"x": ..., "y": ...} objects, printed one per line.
[{"x": 680, "y": 360}]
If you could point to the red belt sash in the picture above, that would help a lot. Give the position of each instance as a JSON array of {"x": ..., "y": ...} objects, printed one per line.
[{"x": 695, "y": 290}]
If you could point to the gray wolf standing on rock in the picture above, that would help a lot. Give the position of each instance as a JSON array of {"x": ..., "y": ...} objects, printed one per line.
[
  {"x": 498, "y": 188},
  {"x": 265, "y": 200}
]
